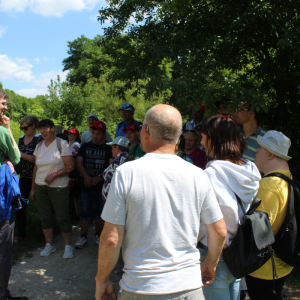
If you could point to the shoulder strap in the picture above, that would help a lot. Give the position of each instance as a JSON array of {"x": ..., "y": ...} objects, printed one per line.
[
  {"x": 58, "y": 143},
  {"x": 120, "y": 124},
  {"x": 240, "y": 203},
  {"x": 280, "y": 175}
]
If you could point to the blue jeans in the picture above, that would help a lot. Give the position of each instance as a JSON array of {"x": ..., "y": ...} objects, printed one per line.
[
  {"x": 225, "y": 287},
  {"x": 89, "y": 199}
]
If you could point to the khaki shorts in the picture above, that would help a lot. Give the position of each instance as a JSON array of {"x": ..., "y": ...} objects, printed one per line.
[{"x": 186, "y": 295}]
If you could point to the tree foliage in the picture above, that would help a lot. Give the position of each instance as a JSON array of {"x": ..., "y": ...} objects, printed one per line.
[{"x": 248, "y": 50}]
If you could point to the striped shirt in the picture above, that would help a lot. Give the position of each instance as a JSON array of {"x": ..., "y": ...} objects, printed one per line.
[{"x": 251, "y": 142}]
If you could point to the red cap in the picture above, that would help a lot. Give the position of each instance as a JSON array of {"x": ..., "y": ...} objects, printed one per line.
[
  {"x": 72, "y": 130},
  {"x": 99, "y": 125},
  {"x": 201, "y": 106},
  {"x": 132, "y": 127}
]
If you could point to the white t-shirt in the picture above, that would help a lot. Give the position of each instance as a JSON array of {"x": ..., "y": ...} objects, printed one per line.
[
  {"x": 87, "y": 137},
  {"x": 160, "y": 199},
  {"x": 49, "y": 160}
]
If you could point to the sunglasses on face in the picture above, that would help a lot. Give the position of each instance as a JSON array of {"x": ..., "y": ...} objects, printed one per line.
[
  {"x": 190, "y": 131},
  {"x": 25, "y": 127}
]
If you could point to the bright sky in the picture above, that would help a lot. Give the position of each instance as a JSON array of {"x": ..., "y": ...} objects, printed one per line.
[{"x": 34, "y": 36}]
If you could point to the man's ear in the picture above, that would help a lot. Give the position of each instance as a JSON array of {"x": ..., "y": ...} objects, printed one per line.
[{"x": 271, "y": 156}]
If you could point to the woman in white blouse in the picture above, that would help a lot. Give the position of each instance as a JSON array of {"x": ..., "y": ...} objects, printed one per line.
[{"x": 53, "y": 163}]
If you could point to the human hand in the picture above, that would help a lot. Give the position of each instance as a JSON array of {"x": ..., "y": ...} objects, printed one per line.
[
  {"x": 105, "y": 290},
  {"x": 50, "y": 178},
  {"x": 32, "y": 195},
  {"x": 10, "y": 164},
  {"x": 208, "y": 273},
  {"x": 96, "y": 180},
  {"x": 4, "y": 120},
  {"x": 87, "y": 181}
]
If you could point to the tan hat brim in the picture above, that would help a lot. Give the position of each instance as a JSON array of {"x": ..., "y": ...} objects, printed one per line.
[{"x": 273, "y": 151}]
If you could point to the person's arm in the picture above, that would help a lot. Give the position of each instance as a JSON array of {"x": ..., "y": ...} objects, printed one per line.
[
  {"x": 30, "y": 158},
  {"x": 32, "y": 193},
  {"x": 6, "y": 123},
  {"x": 108, "y": 255},
  {"x": 79, "y": 164},
  {"x": 215, "y": 242},
  {"x": 69, "y": 167}
]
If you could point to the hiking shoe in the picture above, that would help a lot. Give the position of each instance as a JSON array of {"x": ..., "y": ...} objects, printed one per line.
[
  {"x": 81, "y": 241},
  {"x": 49, "y": 248},
  {"x": 68, "y": 252},
  {"x": 97, "y": 239}
]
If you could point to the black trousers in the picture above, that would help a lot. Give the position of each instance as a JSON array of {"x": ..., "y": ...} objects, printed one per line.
[
  {"x": 260, "y": 289},
  {"x": 6, "y": 246},
  {"x": 25, "y": 188}
]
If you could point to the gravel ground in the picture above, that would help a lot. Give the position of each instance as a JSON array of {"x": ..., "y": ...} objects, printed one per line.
[{"x": 55, "y": 278}]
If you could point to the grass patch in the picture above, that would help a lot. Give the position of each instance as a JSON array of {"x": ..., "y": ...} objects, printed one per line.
[{"x": 294, "y": 279}]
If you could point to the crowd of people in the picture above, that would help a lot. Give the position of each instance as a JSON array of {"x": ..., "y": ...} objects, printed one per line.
[{"x": 164, "y": 193}]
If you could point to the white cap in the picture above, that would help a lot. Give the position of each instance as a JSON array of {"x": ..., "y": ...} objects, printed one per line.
[
  {"x": 93, "y": 116},
  {"x": 275, "y": 142}
]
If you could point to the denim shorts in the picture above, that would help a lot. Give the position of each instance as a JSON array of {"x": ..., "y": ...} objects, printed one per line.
[
  {"x": 225, "y": 287},
  {"x": 91, "y": 204}
]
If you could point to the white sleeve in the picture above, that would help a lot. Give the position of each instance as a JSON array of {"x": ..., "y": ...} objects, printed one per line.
[
  {"x": 115, "y": 206},
  {"x": 210, "y": 211},
  {"x": 65, "y": 148}
]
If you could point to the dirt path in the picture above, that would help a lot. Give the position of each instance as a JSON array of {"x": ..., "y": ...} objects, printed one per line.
[
  {"x": 55, "y": 278},
  {"x": 52, "y": 277}
]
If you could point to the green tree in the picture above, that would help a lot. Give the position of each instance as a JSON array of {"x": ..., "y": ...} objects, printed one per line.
[{"x": 248, "y": 50}]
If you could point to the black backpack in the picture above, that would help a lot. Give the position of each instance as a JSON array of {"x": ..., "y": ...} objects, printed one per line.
[
  {"x": 287, "y": 240},
  {"x": 250, "y": 249}
]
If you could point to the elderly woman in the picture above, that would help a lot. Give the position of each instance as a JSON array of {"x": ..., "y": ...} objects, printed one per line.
[
  {"x": 53, "y": 163},
  {"x": 27, "y": 143},
  {"x": 230, "y": 176},
  {"x": 191, "y": 149}
]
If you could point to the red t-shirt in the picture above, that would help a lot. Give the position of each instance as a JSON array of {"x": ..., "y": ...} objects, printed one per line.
[{"x": 199, "y": 158}]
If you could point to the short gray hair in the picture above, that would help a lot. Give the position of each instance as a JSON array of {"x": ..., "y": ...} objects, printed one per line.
[{"x": 163, "y": 124}]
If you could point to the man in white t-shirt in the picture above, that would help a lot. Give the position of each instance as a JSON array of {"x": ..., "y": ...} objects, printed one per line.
[{"x": 153, "y": 211}]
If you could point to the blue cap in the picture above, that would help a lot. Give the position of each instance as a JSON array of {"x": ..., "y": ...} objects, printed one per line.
[
  {"x": 127, "y": 107},
  {"x": 121, "y": 141}
]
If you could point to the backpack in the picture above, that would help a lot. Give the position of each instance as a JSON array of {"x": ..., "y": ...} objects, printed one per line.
[
  {"x": 287, "y": 240},
  {"x": 250, "y": 249}
]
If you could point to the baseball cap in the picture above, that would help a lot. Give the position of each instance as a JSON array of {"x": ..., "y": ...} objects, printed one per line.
[
  {"x": 72, "y": 130},
  {"x": 127, "y": 107},
  {"x": 200, "y": 105},
  {"x": 121, "y": 141},
  {"x": 99, "y": 125},
  {"x": 275, "y": 142},
  {"x": 132, "y": 127},
  {"x": 93, "y": 116}
]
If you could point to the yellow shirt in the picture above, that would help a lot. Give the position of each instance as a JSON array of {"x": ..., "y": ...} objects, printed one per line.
[{"x": 273, "y": 192}]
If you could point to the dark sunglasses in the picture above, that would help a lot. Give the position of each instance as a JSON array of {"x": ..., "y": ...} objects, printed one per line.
[
  {"x": 25, "y": 127},
  {"x": 191, "y": 131},
  {"x": 125, "y": 105}
]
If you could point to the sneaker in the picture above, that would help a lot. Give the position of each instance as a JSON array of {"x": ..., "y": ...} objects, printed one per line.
[
  {"x": 97, "y": 239},
  {"x": 68, "y": 252},
  {"x": 81, "y": 241},
  {"x": 49, "y": 248}
]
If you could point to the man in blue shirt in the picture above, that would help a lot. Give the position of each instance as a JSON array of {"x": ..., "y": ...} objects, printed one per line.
[{"x": 127, "y": 116}]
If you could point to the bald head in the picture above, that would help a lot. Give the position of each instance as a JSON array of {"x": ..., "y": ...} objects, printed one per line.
[{"x": 165, "y": 123}]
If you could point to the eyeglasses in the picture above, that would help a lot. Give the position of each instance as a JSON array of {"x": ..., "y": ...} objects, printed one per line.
[
  {"x": 245, "y": 109},
  {"x": 4, "y": 104},
  {"x": 147, "y": 128},
  {"x": 25, "y": 127},
  {"x": 125, "y": 105}
]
